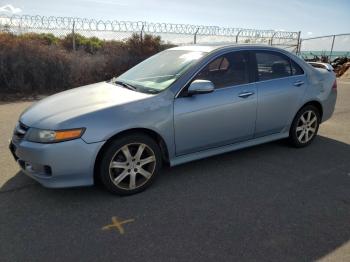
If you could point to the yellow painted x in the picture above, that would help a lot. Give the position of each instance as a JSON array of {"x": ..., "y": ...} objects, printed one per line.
[{"x": 117, "y": 224}]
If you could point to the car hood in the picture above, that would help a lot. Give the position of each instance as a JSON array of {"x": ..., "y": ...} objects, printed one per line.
[{"x": 50, "y": 112}]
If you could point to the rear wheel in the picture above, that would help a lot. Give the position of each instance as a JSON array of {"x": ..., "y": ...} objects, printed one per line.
[
  {"x": 130, "y": 164},
  {"x": 305, "y": 126}
]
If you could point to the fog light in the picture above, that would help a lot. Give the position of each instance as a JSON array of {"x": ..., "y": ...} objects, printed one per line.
[
  {"x": 47, "y": 170},
  {"x": 28, "y": 167},
  {"x": 36, "y": 168}
]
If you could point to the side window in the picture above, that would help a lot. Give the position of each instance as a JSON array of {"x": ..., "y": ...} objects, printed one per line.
[
  {"x": 296, "y": 69},
  {"x": 228, "y": 70},
  {"x": 272, "y": 65},
  {"x": 218, "y": 64}
]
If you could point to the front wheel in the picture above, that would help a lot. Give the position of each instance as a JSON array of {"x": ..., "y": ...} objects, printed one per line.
[
  {"x": 130, "y": 164},
  {"x": 305, "y": 126}
]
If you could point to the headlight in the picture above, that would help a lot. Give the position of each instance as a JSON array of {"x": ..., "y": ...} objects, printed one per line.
[{"x": 51, "y": 136}]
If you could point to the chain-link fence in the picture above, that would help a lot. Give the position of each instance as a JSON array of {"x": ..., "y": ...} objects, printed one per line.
[
  {"x": 325, "y": 48},
  {"x": 178, "y": 34}
]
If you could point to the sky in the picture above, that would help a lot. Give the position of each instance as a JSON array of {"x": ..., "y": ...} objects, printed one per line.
[{"x": 311, "y": 17}]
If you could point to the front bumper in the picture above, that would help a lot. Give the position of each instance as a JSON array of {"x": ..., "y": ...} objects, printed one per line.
[{"x": 65, "y": 164}]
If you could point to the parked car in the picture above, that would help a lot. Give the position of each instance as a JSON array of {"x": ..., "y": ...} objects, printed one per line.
[{"x": 180, "y": 105}]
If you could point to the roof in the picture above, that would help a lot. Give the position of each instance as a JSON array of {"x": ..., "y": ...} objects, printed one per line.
[
  {"x": 198, "y": 48},
  {"x": 210, "y": 47}
]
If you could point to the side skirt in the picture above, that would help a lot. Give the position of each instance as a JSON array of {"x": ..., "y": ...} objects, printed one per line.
[{"x": 224, "y": 149}]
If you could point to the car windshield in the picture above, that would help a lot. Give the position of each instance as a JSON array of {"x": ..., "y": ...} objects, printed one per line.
[{"x": 158, "y": 72}]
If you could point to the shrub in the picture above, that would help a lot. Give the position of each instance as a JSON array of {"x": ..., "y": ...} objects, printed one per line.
[
  {"x": 89, "y": 45},
  {"x": 45, "y": 39},
  {"x": 145, "y": 47},
  {"x": 43, "y": 63},
  {"x": 28, "y": 66}
]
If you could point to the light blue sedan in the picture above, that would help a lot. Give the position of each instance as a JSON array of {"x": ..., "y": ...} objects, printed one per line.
[{"x": 183, "y": 104}]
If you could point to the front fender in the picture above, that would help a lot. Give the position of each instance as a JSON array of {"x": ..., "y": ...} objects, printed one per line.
[{"x": 154, "y": 113}]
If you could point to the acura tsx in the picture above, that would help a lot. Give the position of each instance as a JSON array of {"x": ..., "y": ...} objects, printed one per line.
[{"x": 182, "y": 104}]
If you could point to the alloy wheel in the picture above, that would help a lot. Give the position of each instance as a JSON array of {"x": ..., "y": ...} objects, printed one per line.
[
  {"x": 132, "y": 166},
  {"x": 307, "y": 126}
]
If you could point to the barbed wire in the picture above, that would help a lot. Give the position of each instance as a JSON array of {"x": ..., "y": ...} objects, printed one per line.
[{"x": 85, "y": 24}]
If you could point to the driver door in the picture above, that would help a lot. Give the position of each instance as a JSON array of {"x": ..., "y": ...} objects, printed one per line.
[{"x": 225, "y": 116}]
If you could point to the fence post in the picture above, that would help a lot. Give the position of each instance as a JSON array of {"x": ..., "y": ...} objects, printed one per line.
[
  {"x": 238, "y": 35},
  {"x": 330, "y": 55},
  {"x": 299, "y": 43},
  {"x": 141, "y": 33},
  {"x": 273, "y": 35},
  {"x": 73, "y": 36},
  {"x": 195, "y": 36},
  {"x": 298, "y": 48}
]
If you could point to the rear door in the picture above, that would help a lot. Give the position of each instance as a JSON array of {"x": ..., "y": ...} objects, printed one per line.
[{"x": 280, "y": 85}]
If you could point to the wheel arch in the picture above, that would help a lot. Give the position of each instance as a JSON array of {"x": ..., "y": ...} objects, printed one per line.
[
  {"x": 149, "y": 132},
  {"x": 316, "y": 104}
]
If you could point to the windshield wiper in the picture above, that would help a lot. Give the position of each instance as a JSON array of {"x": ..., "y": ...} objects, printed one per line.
[
  {"x": 151, "y": 91},
  {"x": 124, "y": 84}
]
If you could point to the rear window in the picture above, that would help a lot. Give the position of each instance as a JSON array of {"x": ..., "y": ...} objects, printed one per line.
[
  {"x": 272, "y": 65},
  {"x": 296, "y": 69}
]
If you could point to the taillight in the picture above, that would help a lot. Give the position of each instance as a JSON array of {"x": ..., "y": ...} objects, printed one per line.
[{"x": 334, "y": 85}]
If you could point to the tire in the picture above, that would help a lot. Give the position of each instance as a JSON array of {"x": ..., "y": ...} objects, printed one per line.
[
  {"x": 130, "y": 164},
  {"x": 304, "y": 126}
]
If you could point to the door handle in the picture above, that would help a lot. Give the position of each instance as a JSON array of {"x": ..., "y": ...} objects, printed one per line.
[
  {"x": 298, "y": 83},
  {"x": 246, "y": 94}
]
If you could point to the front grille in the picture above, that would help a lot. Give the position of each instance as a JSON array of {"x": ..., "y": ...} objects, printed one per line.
[{"x": 20, "y": 131}]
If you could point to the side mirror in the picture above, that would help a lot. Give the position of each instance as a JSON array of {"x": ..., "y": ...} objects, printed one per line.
[{"x": 200, "y": 87}]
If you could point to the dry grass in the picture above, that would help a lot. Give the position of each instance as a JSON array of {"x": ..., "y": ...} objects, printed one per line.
[{"x": 34, "y": 64}]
